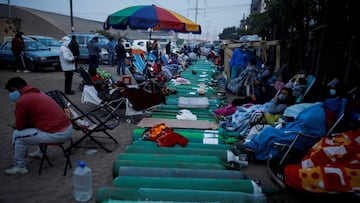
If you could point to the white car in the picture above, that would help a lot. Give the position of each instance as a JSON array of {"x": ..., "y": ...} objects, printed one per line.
[{"x": 141, "y": 44}]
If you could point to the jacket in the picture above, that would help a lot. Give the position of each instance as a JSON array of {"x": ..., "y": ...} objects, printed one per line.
[
  {"x": 66, "y": 56},
  {"x": 17, "y": 46},
  {"x": 35, "y": 109},
  {"x": 239, "y": 58},
  {"x": 74, "y": 48},
  {"x": 93, "y": 47}
]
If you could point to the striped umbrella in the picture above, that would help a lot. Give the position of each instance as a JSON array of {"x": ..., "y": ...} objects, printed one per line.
[{"x": 150, "y": 16}]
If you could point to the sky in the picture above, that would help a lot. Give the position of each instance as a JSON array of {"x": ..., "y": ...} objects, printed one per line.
[{"x": 212, "y": 15}]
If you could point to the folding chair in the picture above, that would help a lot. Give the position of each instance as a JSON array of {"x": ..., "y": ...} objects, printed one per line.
[
  {"x": 291, "y": 155},
  {"x": 310, "y": 83},
  {"x": 300, "y": 135},
  {"x": 164, "y": 59},
  {"x": 90, "y": 123},
  {"x": 140, "y": 61},
  {"x": 85, "y": 76}
]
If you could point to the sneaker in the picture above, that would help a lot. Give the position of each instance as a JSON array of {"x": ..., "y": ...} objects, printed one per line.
[
  {"x": 36, "y": 154},
  {"x": 26, "y": 71},
  {"x": 16, "y": 170},
  {"x": 18, "y": 71}
]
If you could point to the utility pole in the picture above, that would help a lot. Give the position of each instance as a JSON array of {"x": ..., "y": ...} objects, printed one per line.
[
  {"x": 9, "y": 8},
  {"x": 196, "y": 11},
  {"x": 71, "y": 17}
]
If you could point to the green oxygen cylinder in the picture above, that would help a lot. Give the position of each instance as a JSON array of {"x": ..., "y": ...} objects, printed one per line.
[
  {"x": 224, "y": 155},
  {"x": 105, "y": 194},
  {"x": 162, "y": 164},
  {"x": 239, "y": 185},
  {"x": 189, "y": 145},
  {"x": 179, "y": 172},
  {"x": 196, "y": 136},
  {"x": 169, "y": 158}
]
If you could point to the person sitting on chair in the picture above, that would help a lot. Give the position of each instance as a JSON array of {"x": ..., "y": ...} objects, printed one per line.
[
  {"x": 139, "y": 78},
  {"x": 270, "y": 112},
  {"x": 38, "y": 119}
]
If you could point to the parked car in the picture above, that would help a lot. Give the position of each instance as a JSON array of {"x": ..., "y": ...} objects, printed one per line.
[
  {"x": 51, "y": 42},
  {"x": 36, "y": 55},
  {"x": 84, "y": 38},
  {"x": 141, "y": 44}
]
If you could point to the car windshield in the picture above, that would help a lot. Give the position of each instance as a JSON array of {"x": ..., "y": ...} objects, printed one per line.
[
  {"x": 103, "y": 40},
  {"x": 34, "y": 46},
  {"x": 208, "y": 46},
  {"x": 50, "y": 42}
]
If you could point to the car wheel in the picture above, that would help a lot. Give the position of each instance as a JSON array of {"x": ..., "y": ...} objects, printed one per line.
[
  {"x": 101, "y": 60},
  {"x": 58, "y": 68},
  {"x": 30, "y": 66}
]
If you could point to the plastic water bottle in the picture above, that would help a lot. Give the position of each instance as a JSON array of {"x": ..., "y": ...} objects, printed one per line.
[{"x": 82, "y": 181}]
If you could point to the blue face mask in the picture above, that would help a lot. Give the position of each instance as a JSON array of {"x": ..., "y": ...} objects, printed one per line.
[
  {"x": 14, "y": 95},
  {"x": 282, "y": 97},
  {"x": 332, "y": 92}
]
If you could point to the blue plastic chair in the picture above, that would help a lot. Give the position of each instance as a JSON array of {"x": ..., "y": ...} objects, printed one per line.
[
  {"x": 310, "y": 83},
  {"x": 139, "y": 63}
]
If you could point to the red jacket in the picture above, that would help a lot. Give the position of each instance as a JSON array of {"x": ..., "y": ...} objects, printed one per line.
[
  {"x": 35, "y": 109},
  {"x": 17, "y": 45}
]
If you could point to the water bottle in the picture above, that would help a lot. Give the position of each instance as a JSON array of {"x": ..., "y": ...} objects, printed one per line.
[{"x": 82, "y": 181}]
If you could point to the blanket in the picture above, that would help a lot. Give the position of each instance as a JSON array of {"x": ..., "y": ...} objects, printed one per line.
[
  {"x": 310, "y": 121},
  {"x": 331, "y": 165},
  {"x": 142, "y": 100}
]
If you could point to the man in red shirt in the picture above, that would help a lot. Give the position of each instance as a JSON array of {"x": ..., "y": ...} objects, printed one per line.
[
  {"x": 38, "y": 119},
  {"x": 17, "y": 47}
]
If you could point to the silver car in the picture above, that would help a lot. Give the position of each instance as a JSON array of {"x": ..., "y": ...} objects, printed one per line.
[{"x": 84, "y": 38}]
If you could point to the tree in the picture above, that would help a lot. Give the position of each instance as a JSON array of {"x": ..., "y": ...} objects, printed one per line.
[
  {"x": 230, "y": 33},
  {"x": 316, "y": 35}
]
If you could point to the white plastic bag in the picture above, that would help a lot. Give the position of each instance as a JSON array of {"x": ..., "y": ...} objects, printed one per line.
[{"x": 185, "y": 114}]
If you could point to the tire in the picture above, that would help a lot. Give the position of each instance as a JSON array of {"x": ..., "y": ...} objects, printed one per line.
[
  {"x": 58, "y": 68},
  {"x": 30, "y": 66},
  {"x": 128, "y": 120}
]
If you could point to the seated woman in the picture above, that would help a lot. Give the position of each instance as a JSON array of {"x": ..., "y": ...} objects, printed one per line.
[
  {"x": 240, "y": 120},
  {"x": 332, "y": 165},
  {"x": 139, "y": 77},
  {"x": 311, "y": 121},
  {"x": 298, "y": 86}
]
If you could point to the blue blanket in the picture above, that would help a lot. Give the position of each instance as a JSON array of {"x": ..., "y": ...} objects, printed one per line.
[{"x": 310, "y": 121}]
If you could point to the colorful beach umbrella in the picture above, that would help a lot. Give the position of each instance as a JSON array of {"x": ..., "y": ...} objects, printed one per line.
[{"x": 150, "y": 17}]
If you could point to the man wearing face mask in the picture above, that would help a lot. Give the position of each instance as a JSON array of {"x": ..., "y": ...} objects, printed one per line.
[{"x": 38, "y": 119}]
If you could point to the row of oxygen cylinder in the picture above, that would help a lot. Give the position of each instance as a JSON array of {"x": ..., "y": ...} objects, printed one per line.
[{"x": 195, "y": 173}]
